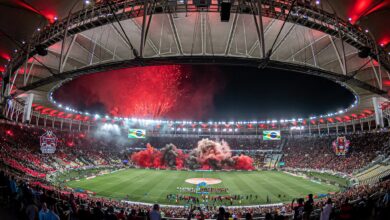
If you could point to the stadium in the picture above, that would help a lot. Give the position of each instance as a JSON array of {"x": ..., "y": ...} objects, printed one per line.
[{"x": 202, "y": 109}]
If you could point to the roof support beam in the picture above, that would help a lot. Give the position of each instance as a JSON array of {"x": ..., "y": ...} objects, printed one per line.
[
  {"x": 150, "y": 42},
  {"x": 262, "y": 41},
  {"x": 11, "y": 85},
  {"x": 104, "y": 48},
  {"x": 125, "y": 37},
  {"x": 62, "y": 65},
  {"x": 121, "y": 36},
  {"x": 175, "y": 34},
  {"x": 269, "y": 53},
  {"x": 231, "y": 33},
  {"x": 26, "y": 67},
  {"x": 337, "y": 59},
  {"x": 144, "y": 29},
  {"x": 377, "y": 74},
  {"x": 259, "y": 27},
  {"x": 342, "y": 66},
  {"x": 27, "y": 74},
  {"x": 312, "y": 51},
  {"x": 354, "y": 73},
  {"x": 57, "y": 54},
  {"x": 203, "y": 32},
  {"x": 284, "y": 38},
  {"x": 264, "y": 33},
  {"x": 305, "y": 47},
  {"x": 93, "y": 52}
]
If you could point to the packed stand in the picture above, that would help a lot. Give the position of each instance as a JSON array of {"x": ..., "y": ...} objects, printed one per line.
[
  {"x": 29, "y": 201},
  {"x": 317, "y": 152},
  {"x": 19, "y": 149}
]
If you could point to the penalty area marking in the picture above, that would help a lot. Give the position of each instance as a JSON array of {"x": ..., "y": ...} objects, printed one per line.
[{"x": 208, "y": 181}]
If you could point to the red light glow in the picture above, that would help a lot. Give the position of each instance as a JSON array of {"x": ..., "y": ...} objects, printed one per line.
[
  {"x": 9, "y": 133},
  {"x": 148, "y": 92}
]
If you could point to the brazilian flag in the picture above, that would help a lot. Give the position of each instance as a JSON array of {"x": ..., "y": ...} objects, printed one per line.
[
  {"x": 137, "y": 133},
  {"x": 271, "y": 135}
]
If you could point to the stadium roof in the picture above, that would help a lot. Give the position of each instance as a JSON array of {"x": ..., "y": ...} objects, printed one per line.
[{"x": 108, "y": 36}]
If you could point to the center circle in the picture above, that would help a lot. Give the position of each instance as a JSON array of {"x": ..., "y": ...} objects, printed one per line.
[{"x": 208, "y": 181}]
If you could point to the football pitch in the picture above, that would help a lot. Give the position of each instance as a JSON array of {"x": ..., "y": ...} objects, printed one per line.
[{"x": 153, "y": 186}]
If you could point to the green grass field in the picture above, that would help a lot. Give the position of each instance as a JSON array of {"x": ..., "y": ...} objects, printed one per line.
[
  {"x": 329, "y": 177},
  {"x": 153, "y": 186}
]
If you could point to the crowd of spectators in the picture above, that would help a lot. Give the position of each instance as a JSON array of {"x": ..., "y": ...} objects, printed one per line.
[
  {"x": 20, "y": 149},
  {"x": 317, "y": 153},
  {"x": 28, "y": 201},
  {"x": 24, "y": 189}
]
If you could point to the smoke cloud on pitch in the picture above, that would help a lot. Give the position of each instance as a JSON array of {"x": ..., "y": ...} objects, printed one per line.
[{"x": 207, "y": 155}]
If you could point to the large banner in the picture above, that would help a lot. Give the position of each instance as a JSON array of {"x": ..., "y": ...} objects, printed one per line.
[
  {"x": 341, "y": 146},
  {"x": 271, "y": 135},
  {"x": 48, "y": 142},
  {"x": 137, "y": 133}
]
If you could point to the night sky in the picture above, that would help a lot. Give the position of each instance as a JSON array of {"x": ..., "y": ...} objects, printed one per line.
[
  {"x": 217, "y": 93},
  {"x": 251, "y": 93}
]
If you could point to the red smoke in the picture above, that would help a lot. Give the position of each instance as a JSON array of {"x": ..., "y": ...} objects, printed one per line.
[
  {"x": 150, "y": 158},
  {"x": 207, "y": 155},
  {"x": 180, "y": 159},
  {"x": 243, "y": 162},
  {"x": 150, "y": 92},
  {"x": 211, "y": 151}
]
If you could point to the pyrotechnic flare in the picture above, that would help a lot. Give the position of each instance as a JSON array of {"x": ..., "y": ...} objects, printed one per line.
[
  {"x": 148, "y": 158},
  {"x": 149, "y": 92},
  {"x": 208, "y": 154},
  {"x": 172, "y": 157}
]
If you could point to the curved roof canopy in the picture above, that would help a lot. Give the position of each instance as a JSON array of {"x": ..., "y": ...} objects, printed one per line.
[{"x": 303, "y": 36}]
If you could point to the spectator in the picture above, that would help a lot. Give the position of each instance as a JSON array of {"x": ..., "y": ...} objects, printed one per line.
[
  {"x": 110, "y": 215},
  {"x": 308, "y": 207},
  {"x": 32, "y": 210},
  {"x": 299, "y": 209},
  {"x": 248, "y": 216},
  {"x": 132, "y": 215},
  {"x": 47, "y": 214},
  {"x": 121, "y": 215},
  {"x": 97, "y": 213},
  {"x": 327, "y": 210},
  {"x": 346, "y": 210},
  {"x": 83, "y": 212},
  {"x": 155, "y": 213},
  {"x": 221, "y": 213}
]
